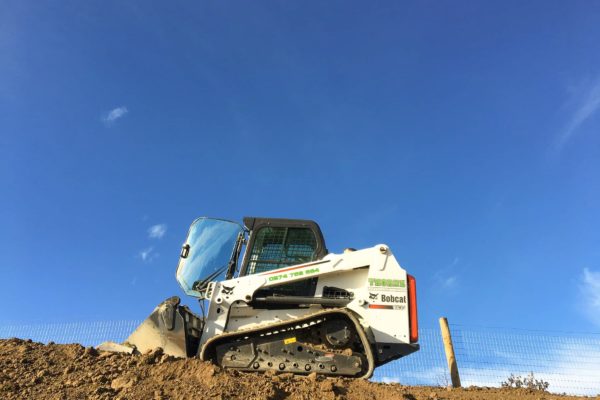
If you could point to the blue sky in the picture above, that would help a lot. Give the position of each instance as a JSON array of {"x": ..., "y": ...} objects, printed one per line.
[{"x": 464, "y": 135}]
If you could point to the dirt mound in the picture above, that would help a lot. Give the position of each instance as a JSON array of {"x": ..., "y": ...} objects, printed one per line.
[{"x": 35, "y": 371}]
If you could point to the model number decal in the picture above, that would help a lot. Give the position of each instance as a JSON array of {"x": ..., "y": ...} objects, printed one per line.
[
  {"x": 386, "y": 307},
  {"x": 294, "y": 274}
]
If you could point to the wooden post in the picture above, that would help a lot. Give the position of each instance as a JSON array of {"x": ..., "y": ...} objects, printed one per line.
[{"x": 449, "y": 349}]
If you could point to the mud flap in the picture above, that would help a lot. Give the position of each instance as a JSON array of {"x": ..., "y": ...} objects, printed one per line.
[{"x": 172, "y": 327}]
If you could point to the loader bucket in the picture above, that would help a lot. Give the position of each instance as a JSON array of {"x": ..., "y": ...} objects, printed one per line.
[{"x": 172, "y": 327}]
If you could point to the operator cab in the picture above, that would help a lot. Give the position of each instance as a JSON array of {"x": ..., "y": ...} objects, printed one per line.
[{"x": 213, "y": 248}]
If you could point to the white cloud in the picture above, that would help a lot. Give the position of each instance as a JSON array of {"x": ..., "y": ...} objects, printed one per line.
[
  {"x": 148, "y": 254},
  {"x": 430, "y": 376},
  {"x": 154, "y": 232},
  {"x": 446, "y": 276},
  {"x": 449, "y": 282},
  {"x": 114, "y": 115},
  {"x": 590, "y": 293},
  {"x": 587, "y": 102},
  {"x": 157, "y": 231}
]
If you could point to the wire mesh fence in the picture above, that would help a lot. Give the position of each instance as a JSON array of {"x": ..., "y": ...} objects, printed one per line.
[
  {"x": 569, "y": 362},
  {"x": 85, "y": 333},
  {"x": 425, "y": 367}
]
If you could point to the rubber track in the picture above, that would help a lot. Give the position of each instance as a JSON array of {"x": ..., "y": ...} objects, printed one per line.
[{"x": 292, "y": 324}]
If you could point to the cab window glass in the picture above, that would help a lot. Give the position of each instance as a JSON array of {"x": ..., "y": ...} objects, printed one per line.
[{"x": 277, "y": 247}]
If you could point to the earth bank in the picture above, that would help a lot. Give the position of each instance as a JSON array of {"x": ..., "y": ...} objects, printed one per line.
[{"x": 31, "y": 370}]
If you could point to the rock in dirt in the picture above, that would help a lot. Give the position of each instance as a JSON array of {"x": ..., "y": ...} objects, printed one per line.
[
  {"x": 122, "y": 383},
  {"x": 89, "y": 351}
]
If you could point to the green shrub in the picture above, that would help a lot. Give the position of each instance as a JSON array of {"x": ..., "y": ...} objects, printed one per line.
[{"x": 527, "y": 382}]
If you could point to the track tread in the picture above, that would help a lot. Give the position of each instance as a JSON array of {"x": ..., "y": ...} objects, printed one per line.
[{"x": 296, "y": 324}]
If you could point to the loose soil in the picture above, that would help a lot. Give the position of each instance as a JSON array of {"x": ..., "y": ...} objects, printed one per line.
[{"x": 31, "y": 370}]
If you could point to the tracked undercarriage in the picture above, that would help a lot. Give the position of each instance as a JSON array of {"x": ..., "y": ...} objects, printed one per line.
[{"x": 330, "y": 342}]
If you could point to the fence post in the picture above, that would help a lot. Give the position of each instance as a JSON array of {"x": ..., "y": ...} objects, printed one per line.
[{"x": 449, "y": 349}]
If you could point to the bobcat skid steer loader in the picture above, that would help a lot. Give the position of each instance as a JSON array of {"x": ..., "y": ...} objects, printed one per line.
[{"x": 286, "y": 304}]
